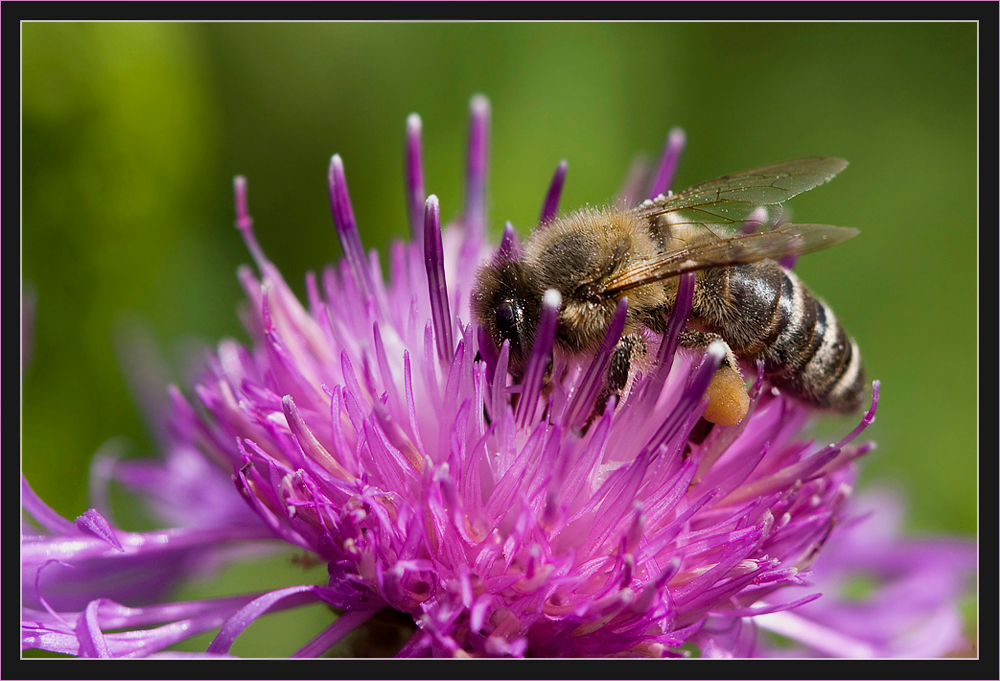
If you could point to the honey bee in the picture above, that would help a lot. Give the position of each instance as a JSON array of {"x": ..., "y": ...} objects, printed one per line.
[{"x": 743, "y": 297}]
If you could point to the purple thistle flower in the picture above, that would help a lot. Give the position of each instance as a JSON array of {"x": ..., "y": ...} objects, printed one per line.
[{"x": 377, "y": 429}]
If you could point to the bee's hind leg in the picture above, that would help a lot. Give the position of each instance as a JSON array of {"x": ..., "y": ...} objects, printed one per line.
[{"x": 728, "y": 401}]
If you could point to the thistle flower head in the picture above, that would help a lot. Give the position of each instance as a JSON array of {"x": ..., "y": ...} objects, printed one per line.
[{"x": 378, "y": 428}]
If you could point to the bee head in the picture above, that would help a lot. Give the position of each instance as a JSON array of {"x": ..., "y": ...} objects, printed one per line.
[{"x": 508, "y": 308}]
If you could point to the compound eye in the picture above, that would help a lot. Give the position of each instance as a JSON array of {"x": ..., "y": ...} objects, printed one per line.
[{"x": 509, "y": 318}]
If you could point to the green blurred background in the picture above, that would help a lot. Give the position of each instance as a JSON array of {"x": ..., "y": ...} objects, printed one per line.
[{"x": 132, "y": 134}]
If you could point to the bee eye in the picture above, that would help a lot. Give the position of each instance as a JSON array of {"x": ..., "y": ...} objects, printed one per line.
[{"x": 508, "y": 320}]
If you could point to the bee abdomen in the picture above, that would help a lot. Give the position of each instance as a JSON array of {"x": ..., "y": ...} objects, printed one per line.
[
  {"x": 768, "y": 314},
  {"x": 832, "y": 375}
]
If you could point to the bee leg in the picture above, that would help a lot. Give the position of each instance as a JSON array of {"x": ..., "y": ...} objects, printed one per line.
[
  {"x": 702, "y": 429},
  {"x": 728, "y": 401},
  {"x": 619, "y": 370},
  {"x": 628, "y": 347}
]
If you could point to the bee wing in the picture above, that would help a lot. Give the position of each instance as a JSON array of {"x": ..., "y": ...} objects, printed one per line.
[
  {"x": 784, "y": 240},
  {"x": 730, "y": 198}
]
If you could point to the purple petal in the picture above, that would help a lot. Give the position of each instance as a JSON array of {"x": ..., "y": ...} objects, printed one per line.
[
  {"x": 668, "y": 164},
  {"x": 347, "y": 229},
  {"x": 436, "y": 284},
  {"x": 551, "y": 205},
  {"x": 414, "y": 177}
]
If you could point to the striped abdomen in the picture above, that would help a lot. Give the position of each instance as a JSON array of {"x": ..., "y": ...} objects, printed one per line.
[{"x": 764, "y": 312}]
